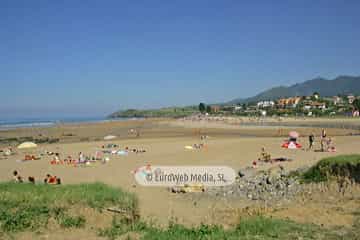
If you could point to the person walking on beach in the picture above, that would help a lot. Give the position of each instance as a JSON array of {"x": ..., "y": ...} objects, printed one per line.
[{"x": 311, "y": 141}]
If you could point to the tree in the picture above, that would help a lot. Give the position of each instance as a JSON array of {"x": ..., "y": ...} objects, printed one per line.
[
  {"x": 202, "y": 107},
  {"x": 208, "y": 109},
  {"x": 356, "y": 104},
  {"x": 315, "y": 96}
]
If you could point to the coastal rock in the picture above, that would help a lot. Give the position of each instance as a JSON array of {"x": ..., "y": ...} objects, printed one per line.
[{"x": 269, "y": 186}]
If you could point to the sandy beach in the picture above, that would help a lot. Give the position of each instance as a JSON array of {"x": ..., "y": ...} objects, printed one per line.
[{"x": 230, "y": 145}]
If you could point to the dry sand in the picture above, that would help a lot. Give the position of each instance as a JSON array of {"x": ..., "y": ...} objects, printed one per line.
[{"x": 164, "y": 141}]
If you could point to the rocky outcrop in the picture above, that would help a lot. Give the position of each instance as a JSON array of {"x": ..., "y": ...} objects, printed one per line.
[{"x": 272, "y": 185}]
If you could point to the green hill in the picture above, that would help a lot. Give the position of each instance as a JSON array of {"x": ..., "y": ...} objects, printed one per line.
[
  {"x": 325, "y": 87},
  {"x": 155, "y": 113}
]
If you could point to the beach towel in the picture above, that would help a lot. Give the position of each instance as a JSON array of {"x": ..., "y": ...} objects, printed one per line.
[{"x": 122, "y": 153}]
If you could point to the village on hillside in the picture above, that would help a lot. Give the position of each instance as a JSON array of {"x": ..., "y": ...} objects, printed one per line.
[{"x": 313, "y": 105}]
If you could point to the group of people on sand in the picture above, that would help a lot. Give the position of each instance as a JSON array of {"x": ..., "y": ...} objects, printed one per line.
[
  {"x": 135, "y": 150},
  {"x": 49, "y": 179},
  {"x": 326, "y": 143},
  {"x": 56, "y": 160},
  {"x": 204, "y": 137},
  {"x": 7, "y": 151},
  {"x": 199, "y": 146},
  {"x": 126, "y": 150},
  {"x": 110, "y": 145},
  {"x": 30, "y": 157},
  {"x": 82, "y": 159},
  {"x": 265, "y": 157}
]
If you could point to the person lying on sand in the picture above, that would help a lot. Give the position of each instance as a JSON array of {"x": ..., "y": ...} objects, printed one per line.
[
  {"x": 69, "y": 160},
  {"x": 30, "y": 157},
  {"x": 135, "y": 150},
  {"x": 52, "y": 180},
  {"x": 16, "y": 177},
  {"x": 8, "y": 151}
]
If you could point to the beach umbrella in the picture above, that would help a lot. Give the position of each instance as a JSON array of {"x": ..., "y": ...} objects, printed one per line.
[
  {"x": 27, "y": 145},
  {"x": 109, "y": 137},
  {"x": 294, "y": 134},
  {"x": 291, "y": 145}
]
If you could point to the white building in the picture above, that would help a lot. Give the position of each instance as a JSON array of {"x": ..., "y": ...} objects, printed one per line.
[
  {"x": 351, "y": 98},
  {"x": 265, "y": 104},
  {"x": 337, "y": 100},
  {"x": 237, "y": 108}
]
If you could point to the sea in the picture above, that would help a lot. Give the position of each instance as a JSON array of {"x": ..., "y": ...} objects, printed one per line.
[{"x": 7, "y": 124}]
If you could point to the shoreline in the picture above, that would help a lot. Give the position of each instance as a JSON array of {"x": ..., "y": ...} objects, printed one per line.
[
  {"x": 13, "y": 125},
  {"x": 335, "y": 122}
]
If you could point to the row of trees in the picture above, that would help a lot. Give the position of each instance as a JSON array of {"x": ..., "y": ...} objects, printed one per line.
[{"x": 203, "y": 108}]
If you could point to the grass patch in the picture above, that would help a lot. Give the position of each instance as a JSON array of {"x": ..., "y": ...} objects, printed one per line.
[
  {"x": 339, "y": 166},
  {"x": 29, "y": 207},
  {"x": 26, "y": 207},
  {"x": 121, "y": 225},
  {"x": 72, "y": 222},
  {"x": 257, "y": 227}
]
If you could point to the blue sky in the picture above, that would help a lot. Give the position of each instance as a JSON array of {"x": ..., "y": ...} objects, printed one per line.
[{"x": 89, "y": 58}]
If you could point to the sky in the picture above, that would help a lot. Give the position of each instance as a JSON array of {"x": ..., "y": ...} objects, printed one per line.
[{"x": 90, "y": 58}]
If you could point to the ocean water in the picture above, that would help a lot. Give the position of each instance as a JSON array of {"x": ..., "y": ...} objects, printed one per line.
[{"x": 6, "y": 124}]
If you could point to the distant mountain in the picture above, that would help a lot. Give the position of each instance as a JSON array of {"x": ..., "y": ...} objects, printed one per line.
[{"x": 325, "y": 87}]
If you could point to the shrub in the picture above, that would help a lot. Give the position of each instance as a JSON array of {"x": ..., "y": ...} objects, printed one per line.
[{"x": 338, "y": 166}]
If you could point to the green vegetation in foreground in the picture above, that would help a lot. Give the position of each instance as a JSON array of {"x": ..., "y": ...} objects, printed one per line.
[
  {"x": 26, "y": 207},
  {"x": 30, "y": 207},
  {"x": 347, "y": 166},
  {"x": 252, "y": 228},
  {"x": 172, "y": 112}
]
